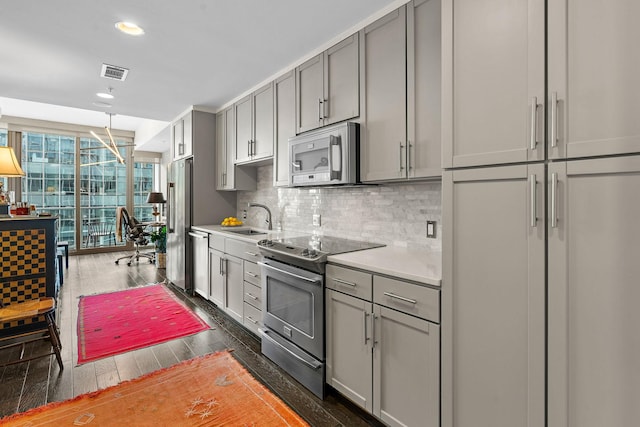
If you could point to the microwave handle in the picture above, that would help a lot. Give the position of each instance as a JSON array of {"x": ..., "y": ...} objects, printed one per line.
[{"x": 335, "y": 157}]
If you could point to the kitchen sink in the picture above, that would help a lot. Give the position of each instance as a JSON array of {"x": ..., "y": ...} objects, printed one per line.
[{"x": 246, "y": 231}]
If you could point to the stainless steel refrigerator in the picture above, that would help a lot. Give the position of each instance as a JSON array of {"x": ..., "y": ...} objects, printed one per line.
[{"x": 179, "y": 220}]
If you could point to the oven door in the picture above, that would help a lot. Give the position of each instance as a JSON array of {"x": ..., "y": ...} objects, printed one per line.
[{"x": 293, "y": 305}]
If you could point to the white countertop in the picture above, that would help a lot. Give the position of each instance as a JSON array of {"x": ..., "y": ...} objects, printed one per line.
[{"x": 418, "y": 265}]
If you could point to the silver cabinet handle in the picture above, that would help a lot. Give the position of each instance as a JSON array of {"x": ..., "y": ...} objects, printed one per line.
[
  {"x": 325, "y": 102},
  {"x": 255, "y": 276},
  {"x": 389, "y": 294},
  {"x": 250, "y": 319},
  {"x": 220, "y": 267},
  {"x": 532, "y": 194},
  {"x": 554, "y": 201},
  {"x": 250, "y": 295},
  {"x": 319, "y": 109},
  {"x": 401, "y": 166},
  {"x": 198, "y": 235},
  {"x": 344, "y": 282},
  {"x": 251, "y": 253},
  {"x": 554, "y": 119},
  {"x": 373, "y": 330},
  {"x": 534, "y": 122},
  {"x": 249, "y": 148},
  {"x": 253, "y": 147},
  {"x": 409, "y": 147},
  {"x": 366, "y": 338}
]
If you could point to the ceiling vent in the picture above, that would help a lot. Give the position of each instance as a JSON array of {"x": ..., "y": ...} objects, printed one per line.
[{"x": 114, "y": 72}]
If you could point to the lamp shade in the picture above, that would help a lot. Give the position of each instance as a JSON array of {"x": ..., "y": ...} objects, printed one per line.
[
  {"x": 154, "y": 197},
  {"x": 9, "y": 166}
]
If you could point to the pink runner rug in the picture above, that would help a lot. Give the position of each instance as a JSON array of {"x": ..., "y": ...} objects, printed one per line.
[{"x": 121, "y": 321}]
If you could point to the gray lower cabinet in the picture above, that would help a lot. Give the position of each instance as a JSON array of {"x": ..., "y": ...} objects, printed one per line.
[
  {"x": 382, "y": 358},
  {"x": 401, "y": 80},
  {"x": 234, "y": 303},
  {"x": 217, "y": 279},
  {"x": 226, "y": 279},
  {"x": 493, "y": 297},
  {"x": 594, "y": 345}
]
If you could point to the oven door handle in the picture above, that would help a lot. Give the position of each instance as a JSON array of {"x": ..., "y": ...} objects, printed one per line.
[
  {"x": 297, "y": 276},
  {"x": 312, "y": 365}
]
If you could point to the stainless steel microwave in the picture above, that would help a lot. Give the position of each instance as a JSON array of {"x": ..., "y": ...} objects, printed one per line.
[{"x": 327, "y": 156}]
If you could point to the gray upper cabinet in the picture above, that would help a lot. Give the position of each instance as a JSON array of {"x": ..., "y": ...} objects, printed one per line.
[
  {"x": 493, "y": 297},
  {"x": 229, "y": 176},
  {"x": 254, "y": 126},
  {"x": 593, "y": 78},
  {"x": 401, "y": 94},
  {"x": 493, "y": 81},
  {"x": 327, "y": 86},
  {"x": 182, "y": 137},
  {"x": 384, "y": 136},
  {"x": 594, "y": 346},
  {"x": 284, "y": 98}
]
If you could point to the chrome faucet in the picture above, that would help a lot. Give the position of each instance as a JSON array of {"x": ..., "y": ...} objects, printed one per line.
[{"x": 258, "y": 205}]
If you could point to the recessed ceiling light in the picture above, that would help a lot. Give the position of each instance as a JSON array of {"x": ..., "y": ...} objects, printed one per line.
[
  {"x": 104, "y": 95},
  {"x": 102, "y": 104},
  {"x": 129, "y": 28}
]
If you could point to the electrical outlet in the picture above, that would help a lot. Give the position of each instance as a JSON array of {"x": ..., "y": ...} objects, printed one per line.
[
  {"x": 244, "y": 214},
  {"x": 431, "y": 229},
  {"x": 316, "y": 220}
]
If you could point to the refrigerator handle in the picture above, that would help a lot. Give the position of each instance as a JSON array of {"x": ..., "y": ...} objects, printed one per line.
[{"x": 171, "y": 201}]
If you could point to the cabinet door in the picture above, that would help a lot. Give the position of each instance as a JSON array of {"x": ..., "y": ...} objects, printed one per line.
[
  {"x": 234, "y": 293},
  {"x": 187, "y": 139},
  {"x": 493, "y": 81},
  {"x": 423, "y": 89},
  {"x": 285, "y": 121},
  {"x": 594, "y": 345},
  {"x": 309, "y": 94},
  {"x": 384, "y": 136},
  {"x": 406, "y": 369},
  {"x": 243, "y": 129},
  {"x": 178, "y": 139},
  {"x": 217, "y": 285},
  {"x": 493, "y": 297},
  {"x": 221, "y": 152},
  {"x": 263, "y": 123},
  {"x": 200, "y": 250},
  {"x": 593, "y": 78},
  {"x": 341, "y": 81},
  {"x": 349, "y": 359}
]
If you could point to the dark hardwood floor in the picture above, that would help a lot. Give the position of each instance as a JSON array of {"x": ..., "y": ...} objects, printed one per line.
[{"x": 28, "y": 385}]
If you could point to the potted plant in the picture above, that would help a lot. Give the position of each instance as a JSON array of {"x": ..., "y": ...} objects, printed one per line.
[{"x": 159, "y": 238}]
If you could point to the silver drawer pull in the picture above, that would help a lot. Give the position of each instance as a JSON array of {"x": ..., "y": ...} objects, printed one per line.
[
  {"x": 255, "y": 322},
  {"x": 255, "y": 276},
  {"x": 389, "y": 294},
  {"x": 251, "y": 253},
  {"x": 253, "y": 297},
  {"x": 344, "y": 282}
]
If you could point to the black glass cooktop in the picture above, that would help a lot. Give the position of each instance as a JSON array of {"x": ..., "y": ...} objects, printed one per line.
[{"x": 328, "y": 245}]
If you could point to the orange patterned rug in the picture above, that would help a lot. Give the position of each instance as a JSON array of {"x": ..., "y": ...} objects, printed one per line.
[{"x": 213, "y": 390}]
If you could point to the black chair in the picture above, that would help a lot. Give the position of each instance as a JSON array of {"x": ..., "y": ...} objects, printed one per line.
[{"x": 135, "y": 232}]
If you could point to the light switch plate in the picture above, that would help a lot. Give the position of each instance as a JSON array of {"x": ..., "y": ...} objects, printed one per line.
[
  {"x": 431, "y": 229},
  {"x": 316, "y": 220}
]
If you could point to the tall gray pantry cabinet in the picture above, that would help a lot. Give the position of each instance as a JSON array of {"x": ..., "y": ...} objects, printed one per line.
[{"x": 540, "y": 212}]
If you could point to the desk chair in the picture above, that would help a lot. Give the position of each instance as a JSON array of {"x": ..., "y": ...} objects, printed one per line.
[
  {"x": 134, "y": 232},
  {"x": 24, "y": 311}
]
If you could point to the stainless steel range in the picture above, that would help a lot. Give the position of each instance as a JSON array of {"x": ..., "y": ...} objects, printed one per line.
[{"x": 293, "y": 303}]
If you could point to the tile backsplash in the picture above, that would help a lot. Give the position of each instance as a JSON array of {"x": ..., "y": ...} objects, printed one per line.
[{"x": 394, "y": 214}]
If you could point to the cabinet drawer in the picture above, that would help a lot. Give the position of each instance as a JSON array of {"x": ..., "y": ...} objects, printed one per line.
[
  {"x": 252, "y": 295},
  {"x": 216, "y": 242},
  {"x": 252, "y": 318},
  {"x": 252, "y": 273},
  {"x": 244, "y": 250},
  {"x": 412, "y": 299},
  {"x": 351, "y": 282}
]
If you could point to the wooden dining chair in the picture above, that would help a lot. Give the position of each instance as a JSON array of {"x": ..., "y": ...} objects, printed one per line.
[{"x": 24, "y": 311}]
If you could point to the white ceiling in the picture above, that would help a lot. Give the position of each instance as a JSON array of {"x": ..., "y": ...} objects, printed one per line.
[{"x": 203, "y": 53}]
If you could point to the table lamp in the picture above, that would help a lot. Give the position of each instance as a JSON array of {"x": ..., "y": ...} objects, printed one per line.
[
  {"x": 9, "y": 168},
  {"x": 155, "y": 198}
]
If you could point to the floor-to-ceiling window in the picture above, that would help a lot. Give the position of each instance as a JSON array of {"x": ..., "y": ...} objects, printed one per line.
[{"x": 78, "y": 179}]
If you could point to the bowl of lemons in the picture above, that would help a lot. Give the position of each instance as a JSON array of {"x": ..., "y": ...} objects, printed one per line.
[{"x": 231, "y": 221}]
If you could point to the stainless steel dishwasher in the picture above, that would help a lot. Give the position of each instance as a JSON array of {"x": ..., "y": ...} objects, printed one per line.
[{"x": 200, "y": 251}]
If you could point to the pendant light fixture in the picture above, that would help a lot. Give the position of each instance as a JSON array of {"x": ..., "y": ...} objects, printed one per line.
[{"x": 112, "y": 144}]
